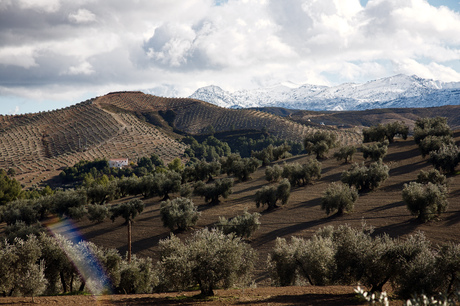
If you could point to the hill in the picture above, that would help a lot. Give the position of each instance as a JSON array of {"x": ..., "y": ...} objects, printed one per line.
[
  {"x": 382, "y": 209},
  {"x": 125, "y": 124}
]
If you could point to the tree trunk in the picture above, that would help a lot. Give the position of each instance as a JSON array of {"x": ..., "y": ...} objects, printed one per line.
[
  {"x": 63, "y": 283},
  {"x": 129, "y": 240}
]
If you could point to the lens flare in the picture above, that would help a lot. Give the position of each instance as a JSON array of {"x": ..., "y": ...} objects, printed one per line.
[{"x": 81, "y": 255}]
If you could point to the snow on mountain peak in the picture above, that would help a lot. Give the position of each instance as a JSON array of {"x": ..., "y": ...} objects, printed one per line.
[{"x": 395, "y": 91}]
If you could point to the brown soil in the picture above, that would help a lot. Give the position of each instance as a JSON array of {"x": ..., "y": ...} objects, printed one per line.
[{"x": 333, "y": 295}]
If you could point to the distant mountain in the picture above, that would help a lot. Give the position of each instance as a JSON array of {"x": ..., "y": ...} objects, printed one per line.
[{"x": 400, "y": 91}]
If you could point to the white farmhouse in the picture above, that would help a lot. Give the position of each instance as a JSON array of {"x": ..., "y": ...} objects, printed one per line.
[{"x": 118, "y": 162}]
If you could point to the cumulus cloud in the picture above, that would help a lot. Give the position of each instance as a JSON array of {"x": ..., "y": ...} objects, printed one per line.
[{"x": 93, "y": 46}]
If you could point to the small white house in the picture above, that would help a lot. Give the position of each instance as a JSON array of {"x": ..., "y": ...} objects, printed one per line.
[{"x": 118, "y": 162}]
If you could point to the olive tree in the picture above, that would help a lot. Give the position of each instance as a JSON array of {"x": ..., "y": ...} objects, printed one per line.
[
  {"x": 270, "y": 195},
  {"x": 431, "y": 127},
  {"x": 346, "y": 153},
  {"x": 339, "y": 197},
  {"x": 425, "y": 201},
  {"x": 179, "y": 213},
  {"x": 366, "y": 178},
  {"x": 446, "y": 158},
  {"x": 375, "y": 151},
  {"x": 209, "y": 258},
  {"x": 128, "y": 210},
  {"x": 302, "y": 174},
  {"x": 212, "y": 192},
  {"x": 320, "y": 143},
  {"x": 242, "y": 226},
  {"x": 434, "y": 143},
  {"x": 431, "y": 176},
  {"x": 273, "y": 174}
]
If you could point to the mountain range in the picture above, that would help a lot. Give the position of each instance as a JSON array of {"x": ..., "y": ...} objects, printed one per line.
[{"x": 399, "y": 91}]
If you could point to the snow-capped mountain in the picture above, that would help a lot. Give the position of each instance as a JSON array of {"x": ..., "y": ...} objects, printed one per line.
[{"x": 398, "y": 91}]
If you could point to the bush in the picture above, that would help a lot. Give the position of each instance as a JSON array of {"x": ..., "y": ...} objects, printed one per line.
[
  {"x": 273, "y": 174},
  {"x": 179, "y": 213},
  {"x": 212, "y": 192},
  {"x": 242, "y": 226},
  {"x": 299, "y": 175},
  {"x": 425, "y": 201},
  {"x": 366, "y": 178},
  {"x": 320, "y": 143},
  {"x": 431, "y": 176},
  {"x": 271, "y": 195},
  {"x": 446, "y": 158},
  {"x": 375, "y": 151},
  {"x": 340, "y": 197},
  {"x": 209, "y": 258},
  {"x": 346, "y": 153}
]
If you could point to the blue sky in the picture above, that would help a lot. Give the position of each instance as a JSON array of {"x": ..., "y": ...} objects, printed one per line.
[{"x": 55, "y": 53}]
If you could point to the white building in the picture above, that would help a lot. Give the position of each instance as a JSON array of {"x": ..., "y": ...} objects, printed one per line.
[{"x": 118, "y": 162}]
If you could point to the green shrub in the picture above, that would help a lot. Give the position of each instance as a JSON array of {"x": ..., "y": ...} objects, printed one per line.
[
  {"x": 339, "y": 197},
  {"x": 20, "y": 210},
  {"x": 179, "y": 213},
  {"x": 209, "y": 258},
  {"x": 388, "y": 131},
  {"x": 242, "y": 226},
  {"x": 425, "y": 201},
  {"x": 434, "y": 143}
]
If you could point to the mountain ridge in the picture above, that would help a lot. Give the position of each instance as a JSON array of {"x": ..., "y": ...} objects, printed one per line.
[{"x": 399, "y": 91}]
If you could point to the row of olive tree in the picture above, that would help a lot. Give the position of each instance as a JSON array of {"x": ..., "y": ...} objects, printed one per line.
[{"x": 345, "y": 255}]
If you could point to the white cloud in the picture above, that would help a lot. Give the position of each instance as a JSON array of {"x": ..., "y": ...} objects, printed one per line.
[
  {"x": 106, "y": 45},
  {"x": 82, "y": 16},
  {"x": 22, "y": 56},
  {"x": 48, "y": 6}
]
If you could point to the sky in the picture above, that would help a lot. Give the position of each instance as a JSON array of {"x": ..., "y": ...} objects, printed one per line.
[{"x": 55, "y": 53}]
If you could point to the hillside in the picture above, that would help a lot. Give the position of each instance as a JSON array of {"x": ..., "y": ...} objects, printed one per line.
[
  {"x": 125, "y": 124},
  {"x": 382, "y": 209}
]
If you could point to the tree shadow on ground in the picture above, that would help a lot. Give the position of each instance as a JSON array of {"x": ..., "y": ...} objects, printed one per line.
[
  {"x": 399, "y": 229},
  {"x": 307, "y": 299},
  {"x": 387, "y": 206}
]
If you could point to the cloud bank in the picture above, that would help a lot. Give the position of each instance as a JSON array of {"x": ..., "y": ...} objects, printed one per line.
[{"x": 66, "y": 50}]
